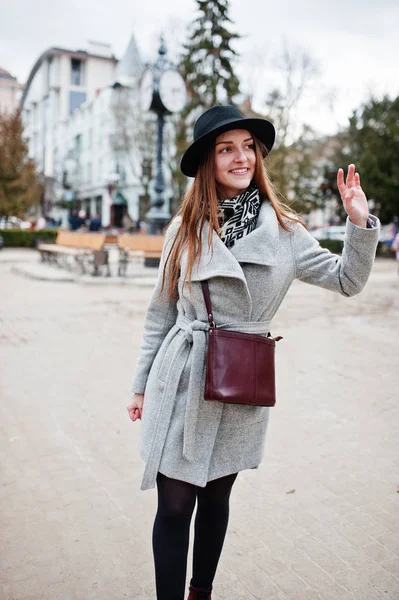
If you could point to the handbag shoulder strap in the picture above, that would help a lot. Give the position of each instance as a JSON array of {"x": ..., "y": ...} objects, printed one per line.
[{"x": 207, "y": 298}]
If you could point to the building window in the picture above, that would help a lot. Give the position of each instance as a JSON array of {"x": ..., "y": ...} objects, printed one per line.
[
  {"x": 47, "y": 74},
  {"x": 34, "y": 114},
  {"x": 122, "y": 173},
  {"x": 46, "y": 110},
  {"x": 76, "y": 71},
  {"x": 56, "y": 105},
  {"x": 55, "y": 161},
  {"x": 75, "y": 100},
  {"x": 77, "y": 145},
  {"x": 99, "y": 203},
  {"x": 100, "y": 177}
]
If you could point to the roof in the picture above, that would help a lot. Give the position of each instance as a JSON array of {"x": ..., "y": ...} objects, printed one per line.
[
  {"x": 6, "y": 75},
  {"x": 130, "y": 65},
  {"x": 57, "y": 52}
]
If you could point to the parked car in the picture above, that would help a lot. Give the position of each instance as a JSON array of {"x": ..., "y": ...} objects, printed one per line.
[
  {"x": 14, "y": 223},
  {"x": 387, "y": 234},
  {"x": 337, "y": 232},
  {"x": 333, "y": 232}
]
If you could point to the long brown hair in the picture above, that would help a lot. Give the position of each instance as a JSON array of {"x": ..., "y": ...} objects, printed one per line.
[{"x": 200, "y": 204}]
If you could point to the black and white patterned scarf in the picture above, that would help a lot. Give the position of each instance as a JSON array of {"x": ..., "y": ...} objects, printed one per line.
[{"x": 239, "y": 215}]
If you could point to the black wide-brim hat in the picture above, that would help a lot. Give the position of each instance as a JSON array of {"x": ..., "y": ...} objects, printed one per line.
[{"x": 215, "y": 121}]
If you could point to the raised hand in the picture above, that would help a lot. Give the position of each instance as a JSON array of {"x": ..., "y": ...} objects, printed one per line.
[{"x": 353, "y": 197}]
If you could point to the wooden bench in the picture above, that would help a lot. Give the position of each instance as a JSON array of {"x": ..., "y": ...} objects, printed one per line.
[
  {"x": 83, "y": 247},
  {"x": 147, "y": 247},
  {"x": 111, "y": 239}
]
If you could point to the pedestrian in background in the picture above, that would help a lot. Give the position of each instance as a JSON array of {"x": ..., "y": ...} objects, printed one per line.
[
  {"x": 233, "y": 232},
  {"x": 82, "y": 218},
  {"x": 74, "y": 220},
  {"x": 41, "y": 223},
  {"x": 95, "y": 223}
]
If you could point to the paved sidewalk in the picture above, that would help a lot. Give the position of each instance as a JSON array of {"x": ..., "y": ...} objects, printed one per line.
[
  {"x": 27, "y": 263},
  {"x": 318, "y": 520}
]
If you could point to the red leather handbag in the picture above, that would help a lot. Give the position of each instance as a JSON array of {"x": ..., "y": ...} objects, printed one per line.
[{"x": 239, "y": 366}]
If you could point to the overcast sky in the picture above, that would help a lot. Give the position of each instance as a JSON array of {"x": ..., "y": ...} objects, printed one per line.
[{"x": 354, "y": 42}]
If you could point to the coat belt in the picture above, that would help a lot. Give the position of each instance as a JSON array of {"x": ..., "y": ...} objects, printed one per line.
[{"x": 194, "y": 340}]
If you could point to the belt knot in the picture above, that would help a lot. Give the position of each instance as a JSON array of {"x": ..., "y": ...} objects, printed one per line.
[{"x": 192, "y": 326}]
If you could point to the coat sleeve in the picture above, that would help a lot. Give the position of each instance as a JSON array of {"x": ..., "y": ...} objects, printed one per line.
[
  {"x": 346, "y": 274},
  {"x": 160, "y": 317}
]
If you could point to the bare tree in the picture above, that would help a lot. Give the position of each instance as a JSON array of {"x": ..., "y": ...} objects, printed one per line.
[
  {"x": 280, "y": 84},
  {"x": 134, "y": 139},
  {"x": 297, "y": 74},
  {"x": 291, "y": 78},
  {"x": 134, "y": 130}
]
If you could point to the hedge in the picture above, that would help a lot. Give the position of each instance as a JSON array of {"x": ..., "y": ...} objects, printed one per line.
[{"x": 20, "y": 238}]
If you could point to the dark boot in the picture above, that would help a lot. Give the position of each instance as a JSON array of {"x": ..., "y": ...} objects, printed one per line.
[{"x": 200, "y": 593}]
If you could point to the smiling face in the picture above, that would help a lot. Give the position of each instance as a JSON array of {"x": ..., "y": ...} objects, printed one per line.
[{"x": 234, "y": 162}]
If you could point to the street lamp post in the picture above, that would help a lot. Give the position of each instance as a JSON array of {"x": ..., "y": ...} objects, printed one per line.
[
  {"x": 146, "y": 170},
  {"x": 159, "y": 215},
  {"x": 162, "y": 91}
]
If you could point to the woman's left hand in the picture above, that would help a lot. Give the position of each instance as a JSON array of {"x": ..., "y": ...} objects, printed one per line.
[{"x": 353, "y": 197}]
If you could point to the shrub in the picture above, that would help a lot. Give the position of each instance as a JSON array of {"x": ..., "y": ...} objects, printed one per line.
[{"x": 19, "y": 238}]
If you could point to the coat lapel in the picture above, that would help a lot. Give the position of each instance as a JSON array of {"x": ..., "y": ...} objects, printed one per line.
[
  {"x": 216, "y": 260},
  {"x": 258, "y": 247}
]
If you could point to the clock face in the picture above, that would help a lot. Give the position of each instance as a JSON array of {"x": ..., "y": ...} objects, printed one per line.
[
  {"x": 172, "y": 91},
  {"x": 146, "y": 89}
]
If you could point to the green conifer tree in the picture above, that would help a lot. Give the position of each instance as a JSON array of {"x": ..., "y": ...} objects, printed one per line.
[
  {"x": 207, "y": 67},
  {"x": 207, "y": 62}
]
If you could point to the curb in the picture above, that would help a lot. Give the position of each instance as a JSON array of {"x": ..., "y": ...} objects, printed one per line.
[
  {"x": 46, "y": 273},
  {"x": 32, "y": 273},
  {"x": 140, "y": 281}
]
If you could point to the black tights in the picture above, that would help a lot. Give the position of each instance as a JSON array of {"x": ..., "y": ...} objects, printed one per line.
[{"x": 176, "y": 502}]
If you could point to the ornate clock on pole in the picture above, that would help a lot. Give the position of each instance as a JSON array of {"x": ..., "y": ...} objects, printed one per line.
[{"x": 162, "y": 91}]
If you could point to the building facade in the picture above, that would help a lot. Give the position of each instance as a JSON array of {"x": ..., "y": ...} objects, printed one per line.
[
  {"x": 10, "y": 92},
  {"x": 90, "y": 157}
]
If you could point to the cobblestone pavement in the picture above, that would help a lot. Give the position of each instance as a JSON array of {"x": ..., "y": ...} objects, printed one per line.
[{"x": 318, "y": 520}]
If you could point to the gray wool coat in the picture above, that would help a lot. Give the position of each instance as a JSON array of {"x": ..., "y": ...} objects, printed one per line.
[{"x": 183, "y": 436}]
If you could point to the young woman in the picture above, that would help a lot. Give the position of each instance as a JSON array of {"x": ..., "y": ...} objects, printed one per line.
[{"x": 233, "y": 232}]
